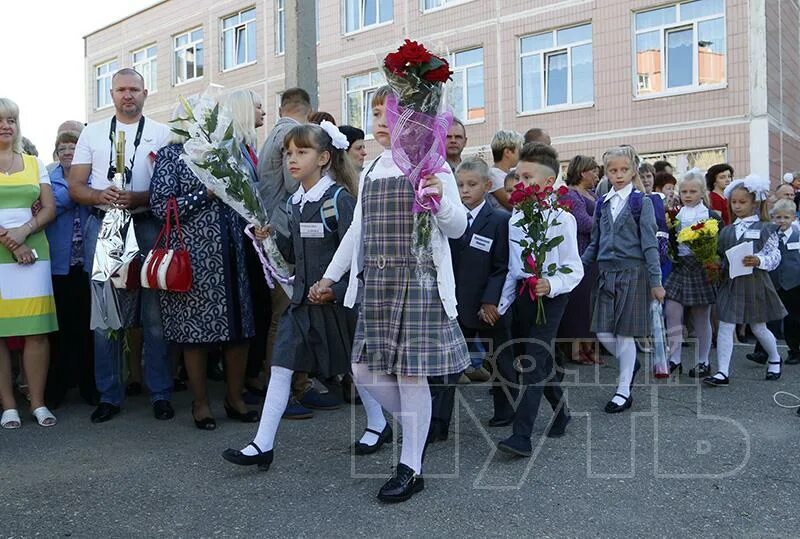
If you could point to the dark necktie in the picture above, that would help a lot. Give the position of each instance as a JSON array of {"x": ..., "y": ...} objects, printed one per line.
[{"x": 465, "y": 237}]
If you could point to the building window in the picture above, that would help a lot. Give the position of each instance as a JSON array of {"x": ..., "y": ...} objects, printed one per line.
[
  {"x": 428, "y": 5},
  {"x": 681, "y": 46},
  {"x": 360, "y": 14},
  {"x": 466, "y": 91},
  {"x": 239, "y": 39},
  {"x": 102, "y": 75},
  {"x": 145, "y": 62},
  {"x": 556, "y": 69},
  {"x": 188, "y": 56},
  {"x": 688, "y": 159},
  {"x": 359, "y": 90},
  {"x": 280, "y": 31}
]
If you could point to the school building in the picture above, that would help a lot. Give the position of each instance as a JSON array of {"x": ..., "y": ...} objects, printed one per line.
[{"x": 696, "y": 82}]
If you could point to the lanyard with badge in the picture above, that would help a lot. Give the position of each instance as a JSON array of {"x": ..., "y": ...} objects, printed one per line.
[{"x": 128, "y": 172}]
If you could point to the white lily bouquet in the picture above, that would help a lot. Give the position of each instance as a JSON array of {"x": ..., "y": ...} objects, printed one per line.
[{"x": 213, "y": 154}]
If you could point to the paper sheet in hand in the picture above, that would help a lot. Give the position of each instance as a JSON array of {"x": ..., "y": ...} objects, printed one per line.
[{"x": 735, "y": 255}]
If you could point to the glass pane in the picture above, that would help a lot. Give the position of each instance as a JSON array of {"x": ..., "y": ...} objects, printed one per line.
[
  {"x": 556, "y": 79},
  {"x": 701, "y": 8},
  {"x": 249, "y": 15},
  {"x": 353, "y": 15},
  {"x": 430, "y": 4},
  {"x": 230, "y": 22},
  {"x": 181, "y": 40},
  {"x": 711, "y": 51},
  {"x": 475, "y": 93},
  {"x": 572, "y": 35},
  {"x": 228, "y": 49},
  {"x": 137, "y": 57},
  {"x": 656, "y": 17},
  {"x": 582, "y": 75},
  {"x": 536, "y": 43},
  {"x": 377, "y": 78},
  {"x": 531, "y": 83},
  {"x": 240, "y": 45},
  {"x": 113, "y": 67},
  {"x": 151, "y": 51},
  {"x": 456, "y": 94},
  {"x": 368, "y": 111},
  {"x": 251, "y": 42},
  {"x": 152, "y": 70},
  {"x": 648, "y": 63},
  {"x": 474, "y": 56},
  {"x": 387, "y": 10},
  {"x": 197, "y": 35},
  {"x": 354, "y": 111},
  {"x": 358, "y": 81},
  {"x": 370, "y": 12},
  {"x": 679, "y": 58},
  {"x": 198, "y": 65},
  {"x": 181, "y": 66}
]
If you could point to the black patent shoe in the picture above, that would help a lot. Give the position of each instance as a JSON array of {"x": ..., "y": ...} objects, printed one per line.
[
  {"x": 701, "y": 370},
  {"x": 715, "y": 382},
  {"x": 385, "y": 436},
  {"x": 774, "y": 375},
  {"x": 675, "y": 367},
  {"x": 401, "y": 486},
  {"x": 614, "y": 408},
  {"x": 250, "y": 416},
  {"x": 262, "y": 459},
  {"x": 759, "y": 358}
]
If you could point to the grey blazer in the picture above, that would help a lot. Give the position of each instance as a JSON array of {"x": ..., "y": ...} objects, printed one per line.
[
  {"x": 621, "y": 244},
  {"x": 275, "y": 184},
  {"x": 787, "y": 274}
]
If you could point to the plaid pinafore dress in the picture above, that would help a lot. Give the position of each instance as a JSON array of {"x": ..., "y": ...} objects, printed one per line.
[{"x": 402, "y": 326}]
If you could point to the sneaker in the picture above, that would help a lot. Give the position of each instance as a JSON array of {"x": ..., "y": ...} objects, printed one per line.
[
  {"x": 314, "y": 400},
  {"x": 295, "y": 410}
]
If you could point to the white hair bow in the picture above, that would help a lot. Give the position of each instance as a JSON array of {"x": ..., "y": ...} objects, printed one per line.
[
  {"x": 754, "y": 184},
  {"x": 788, "y": 177},
  {"x": 339, "y": 139}
]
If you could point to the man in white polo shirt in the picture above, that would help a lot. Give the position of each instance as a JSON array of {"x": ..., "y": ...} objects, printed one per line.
[{"x": 92, "y": 168}]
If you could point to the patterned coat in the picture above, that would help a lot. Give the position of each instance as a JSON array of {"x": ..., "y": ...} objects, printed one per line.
[{"x": 218, "y": 308}]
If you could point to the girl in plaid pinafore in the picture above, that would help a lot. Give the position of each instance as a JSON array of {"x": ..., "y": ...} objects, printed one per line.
[
  {"x": 407, "y": 329},
  {"x": 748, "y": 299}
]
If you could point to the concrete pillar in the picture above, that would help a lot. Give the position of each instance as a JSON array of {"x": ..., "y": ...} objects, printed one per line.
[
  {"x": 759, "y": 121},
  {"x": 300, "y": 59}
]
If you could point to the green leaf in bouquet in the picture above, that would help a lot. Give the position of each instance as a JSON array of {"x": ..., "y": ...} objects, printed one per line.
[
  {"x": 228, "y": 132},
  {"x": 565, "y": 269},
  {"x": 213, "y": 119},
  {"x": 188, "y": 108},
  {"x": 181, "y": 132},
  {"x": 551, "y": 268}
]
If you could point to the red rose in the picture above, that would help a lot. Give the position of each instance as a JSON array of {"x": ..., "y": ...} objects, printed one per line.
[
  {"x": 536, "y": 188},
  {"x": 548, "y": 190},
  {"x": 395, "y": 63},
  {"x": 563, "y": 190},
  {"x": 518, "y": 195},
  {"x": 698, "y": 226},
  {"x": 440, "y": 74},
  {"x": 414, "y": 53}
]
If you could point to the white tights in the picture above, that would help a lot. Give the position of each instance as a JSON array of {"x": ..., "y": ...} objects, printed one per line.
[
  {"x": 280, "y": 385},
  {"x": 624, "y": 349},
  {"x": 701, "y": 322},
  {"x": 725, "y": 346}
]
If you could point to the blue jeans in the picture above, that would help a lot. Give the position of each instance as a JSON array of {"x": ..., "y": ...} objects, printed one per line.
[{"x": 108, "y": 352}]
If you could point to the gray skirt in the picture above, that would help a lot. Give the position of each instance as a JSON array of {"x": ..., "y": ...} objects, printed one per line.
[
  {"x": 749, "y": 299},
  {"x": 688, "y": 283},
  {"x": 621, "y": 302}
]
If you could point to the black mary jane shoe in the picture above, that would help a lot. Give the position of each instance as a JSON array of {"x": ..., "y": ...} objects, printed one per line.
[
  {"x": 614, "y": 408},
  {"x": 774, "y": 375},
  {"x": 262, "y": 459},
  {"x": 701, "y": 370},
  {"x": 384, "y": 437},
  {"x": 250, "y": 416},
  {"x": 675, "y": 367},
  {"x": 715, "y": 382},
  {"x": 401, "y": 486}
]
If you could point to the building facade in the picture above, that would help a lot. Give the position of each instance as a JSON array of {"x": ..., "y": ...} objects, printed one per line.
[{"x": 696, "y": 82}]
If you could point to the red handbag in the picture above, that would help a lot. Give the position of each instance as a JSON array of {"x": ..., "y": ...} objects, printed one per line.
[{"x": 165, "y": 268}]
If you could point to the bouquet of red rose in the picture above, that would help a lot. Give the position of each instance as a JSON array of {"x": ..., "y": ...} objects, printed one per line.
[
  {"x": 418, "y": 129},
  {"x": 540, "y": 210}
]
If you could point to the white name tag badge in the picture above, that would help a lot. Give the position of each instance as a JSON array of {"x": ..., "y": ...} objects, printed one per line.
[
  {"x": 312, "y": 230},
  {"x": 481, "y": 242},
  {"x": 793, "y": 246},
  {"x": 752, "y": 234}
]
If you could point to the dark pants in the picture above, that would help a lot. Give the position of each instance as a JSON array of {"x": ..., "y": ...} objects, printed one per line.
[
  {"x": 72, "y": 358},
  {"x": 791, "y": 322},
  {"x": 262, "y": 312},
  {"x": 539, "y": 373}
]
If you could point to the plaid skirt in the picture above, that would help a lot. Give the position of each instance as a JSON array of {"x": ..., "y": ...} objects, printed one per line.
[
  {"x": 621, "y": 302},
  {"x": 688, "y": 283},
  {"x": 749, "y": 299}
]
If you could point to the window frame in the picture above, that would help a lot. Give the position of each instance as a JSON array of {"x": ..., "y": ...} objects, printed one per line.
[
  {"x": 465, "y": 89},
  {"x": 190, "y": 44},
  {"x": 151, "y": 88},
  {"x": 445, "y": 5},
  {"x": 247, "y": 25},
  {"x": 108, "y": 75},
  {"x": 362, "y": 28},
  {"x": 365, "y": 92},
  {"x": 663, "y": 30},
  {"x": 544, "y": 54},
  {"x": 280, "y": 27}
]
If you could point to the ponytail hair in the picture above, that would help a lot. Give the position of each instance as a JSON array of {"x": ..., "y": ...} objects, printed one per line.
[{"x": 339, "y": 167}]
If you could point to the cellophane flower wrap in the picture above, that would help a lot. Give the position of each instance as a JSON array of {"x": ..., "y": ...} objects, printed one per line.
[
  {"x": 701, "y": 238},
  {"x": 214, "y": 155},
  {"x": 418, "y": 126},
  {"x": 540, "y": 209}
]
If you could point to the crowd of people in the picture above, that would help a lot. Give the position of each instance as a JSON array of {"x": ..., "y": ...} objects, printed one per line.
[{"x": 368, "y": 321}]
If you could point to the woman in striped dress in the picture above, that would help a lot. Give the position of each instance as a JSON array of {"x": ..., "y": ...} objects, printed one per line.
[{"x": 27, "y": 308}]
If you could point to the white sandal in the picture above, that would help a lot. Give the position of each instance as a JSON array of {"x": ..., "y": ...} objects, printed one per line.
[
  {"x": 10, "y": 419},
  {"x": 44, "y": 417}
]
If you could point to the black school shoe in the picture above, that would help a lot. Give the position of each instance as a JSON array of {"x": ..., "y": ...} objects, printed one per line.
[
  {"x": 401, "y": 486},
  {"x": 715, "y": 382},
  {"x": 104, "y": 412},
  {"x": 614, "y": 408},
  {"x": 516, "y": 445},
  {"x": 385, "y": 436},
  {"x": 701, "y": 370},
  {"x": 162, "y": 410},
  {"x": 759, "y": 358},
  {"x": 793, "y": 358}
]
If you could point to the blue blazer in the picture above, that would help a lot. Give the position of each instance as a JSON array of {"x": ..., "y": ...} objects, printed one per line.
[
  {"x": 479, "y": 274},
  {"x": 59, "y": 232},
  {"x": 787, "y": 274}
]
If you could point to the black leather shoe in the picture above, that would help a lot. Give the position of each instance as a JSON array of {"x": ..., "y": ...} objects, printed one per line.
[
  {"x": 614, "y": 408},
  {"x": 675, "y": 367},
  {"x": 774, "y": 375},
  {"x": 263, "y": 459},
  {"x": 793, "y": 358},
  {"x": 558, "y": 427},
  {"x": 761, "y": 359},
  {"x": 104, "y": 412},
  {"x": 385, "y": 436},
  {"x": 437, "y": 432},
  {"x": 401, "y": 486},
  {"x": 701, "y": 370},
  {"x": 501, "y": 421},
  {"x": 516, "y": 445},
  {"x": 162, "y": 410},
  {"x": 250, "y": 416},
  {"x": 713, "y": 381}
]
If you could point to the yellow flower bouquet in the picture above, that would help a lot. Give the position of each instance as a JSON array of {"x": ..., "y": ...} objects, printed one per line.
[{"x": 701, "y": 239}]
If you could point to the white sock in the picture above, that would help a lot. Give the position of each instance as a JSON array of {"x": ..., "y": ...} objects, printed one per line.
[
  {"x": 381, "y": 387},
  {"x": 609, "y": 341},
  {"x": 415, "y": 417},
  {"x": 280, "y": 385},
  {"x": 375, "y": 419},
  {"x": 701, "y": 321},
  {"x": 673, "y": 314},
  {"x": 767, "y": 340},
  {"x": 724, "y": 347},
  {"x": 626, "y": 355}
]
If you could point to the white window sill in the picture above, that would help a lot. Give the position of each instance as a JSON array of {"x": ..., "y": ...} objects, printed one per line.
[
  {"x": 366, "y": 29},
  {"x": 239, "y": 66},
  {"x": 681, "y": 91},
  {"x": 474, "y": 122},
  {"x": 559, "y": 108},
  {"x": 446, "y": 6},
  {"x": 104, "y": 107},
  {"x": 187, "y": 81}
]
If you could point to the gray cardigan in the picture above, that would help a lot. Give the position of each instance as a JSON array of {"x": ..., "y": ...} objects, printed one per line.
[
  {"x": 621, "y": 244},
  {"x": 275, "y": 184}
]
